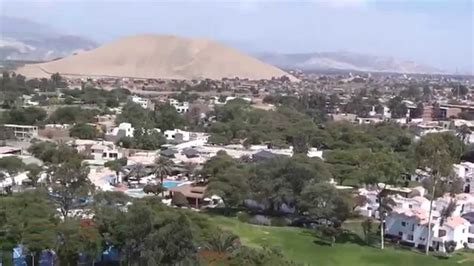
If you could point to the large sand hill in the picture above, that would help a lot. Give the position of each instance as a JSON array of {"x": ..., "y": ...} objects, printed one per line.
[{"x": 158, "y": 56}]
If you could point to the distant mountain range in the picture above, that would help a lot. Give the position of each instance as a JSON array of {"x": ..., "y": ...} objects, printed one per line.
[
  {"x": 22, "y": 39},
  {"x": 345, "y": 61}
]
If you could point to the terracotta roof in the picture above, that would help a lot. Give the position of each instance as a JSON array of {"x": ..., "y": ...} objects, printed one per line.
[
  {"x": 420, "y": 199},
  {"x": 190, "y": 190},
  {"x": 455, "y": 221}
]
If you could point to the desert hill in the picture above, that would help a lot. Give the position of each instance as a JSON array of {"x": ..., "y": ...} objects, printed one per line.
[{"x": 158, "y": 56}]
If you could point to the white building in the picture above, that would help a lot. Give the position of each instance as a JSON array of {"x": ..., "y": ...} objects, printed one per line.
[
  {"x": 145, "y": 103},
  {"x": 465, "y": 171},
  {"x": 23, "y": 132},
  {"x": 98, "y": 150},
  {"x": 183, "y": 136},
  {"x": 123, "y": 130},
  {"x": 215, "y": 99},
  {"x": 409, "y": 223},
  {"x": 180, "y": 107}
]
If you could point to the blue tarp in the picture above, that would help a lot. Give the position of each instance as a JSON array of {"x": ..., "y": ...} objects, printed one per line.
[
  {"x": 47, "y": 258},
  {"x": 19, "y": 258}
]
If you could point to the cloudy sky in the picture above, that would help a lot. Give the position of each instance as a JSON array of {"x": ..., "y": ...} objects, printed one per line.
[{"x": 435, "y": 32}]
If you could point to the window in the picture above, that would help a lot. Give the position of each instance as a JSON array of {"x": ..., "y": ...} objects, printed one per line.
[
  {"x": 410, "y": 206},
  {"x": 470, "y": 240},
  {"x": 463, "y": 230},
  {"x": 400, "y": 234},
  {"x": 403, "y": 223},
  {"x": 413, "y": 227},
  {"x": 471, "y": 229},
  {"x": 410, "y": 237},
  {"x": 104, "y": 155},
  {"x": 441, "y": 233}
]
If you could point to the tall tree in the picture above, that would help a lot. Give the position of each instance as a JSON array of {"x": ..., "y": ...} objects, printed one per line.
[
  {"x": 161, "y": 168},
  {"x": 436, "y": 153},
  {"x": 323, "y": 202},
  {"x": 384, "y": 168},
  {"x": 70, "y": 186}
]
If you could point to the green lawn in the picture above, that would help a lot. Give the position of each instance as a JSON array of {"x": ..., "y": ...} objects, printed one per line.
[{"x": 301, "y": 246}]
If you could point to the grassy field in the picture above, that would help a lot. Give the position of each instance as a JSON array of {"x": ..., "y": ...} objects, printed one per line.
[{"x": 301, "y": 246}]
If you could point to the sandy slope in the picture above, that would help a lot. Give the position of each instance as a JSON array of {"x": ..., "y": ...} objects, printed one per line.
[{"x": 159, "y": 56}]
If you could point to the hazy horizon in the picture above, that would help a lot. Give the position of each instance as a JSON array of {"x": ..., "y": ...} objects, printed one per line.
[{"x": 438, "y": 33}]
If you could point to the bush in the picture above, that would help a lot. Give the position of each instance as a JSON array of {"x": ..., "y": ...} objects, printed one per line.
[
  {"x": 260, "y": 220},
  {"x": 243, "y": 217},
  {"x": 279, "y": 221}
]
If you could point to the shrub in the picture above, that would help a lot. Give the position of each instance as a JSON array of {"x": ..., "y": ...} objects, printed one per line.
[
  {"x": 279, "y": 221},
  {"x": 260, "y": 220},
  {"x": 243, "y": 217}
]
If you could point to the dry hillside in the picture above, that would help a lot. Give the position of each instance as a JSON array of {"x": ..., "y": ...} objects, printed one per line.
[{"x": 158, "y": 56}]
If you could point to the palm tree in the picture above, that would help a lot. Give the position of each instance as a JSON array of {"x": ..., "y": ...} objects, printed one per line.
[
  {"x": 222, "y": 242},
  {"x": 161, "y": 168},
  {"x": 137, "y": 171},
  {"x": 463, "y": 133}
]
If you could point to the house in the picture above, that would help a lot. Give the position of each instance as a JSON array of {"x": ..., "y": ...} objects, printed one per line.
[
  {"x": 194, "y": 193},
  {"x": 181, "y": 107},
  {"x": 123, "y": 130},
  {"x": 369, "y": 205},
  {"x": 464, "y": 203},
  {"x": 97, "y": 149},
  {"x": 145, "y": 103},
  {"x": 470, "y": 236},
  {"x": 216, "y": 100},
  {"x": 417, "y": 202},
  {"x": 465, "y": 171},
  {"x": 23, "y": 132},
  {"x": 10, "y": 150},
  {"x": 409, "y": 225},
  {"x": 455, "y": 228},
  {"x": 179, "y": 135}
]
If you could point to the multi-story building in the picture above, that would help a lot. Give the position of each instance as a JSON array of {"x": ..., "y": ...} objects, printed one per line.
[{"x": 22, "y": 132}]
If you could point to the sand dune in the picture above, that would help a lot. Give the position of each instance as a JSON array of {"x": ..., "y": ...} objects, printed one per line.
[{"x": 158, "y": 56}]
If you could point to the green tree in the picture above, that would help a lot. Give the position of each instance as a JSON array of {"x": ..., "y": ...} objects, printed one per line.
[
  {"x": 166, "y": 117},
  {"x": 136, "y": 115},
  {"x": 83, "y": 131},
  {"x": 70, "y": 186},
  {"x": 161, "y": 168},
  {"x": 436, "y": 153},
  {"x": 231, "y": 185},
  {"x": 397, "y": 108},
  {"x": 30, "y": 219},
  {"x": 116, "y": 165},
  {"x": 34, "y": 173},
  {"x": 323, "y": 202},
  {"x": 12, "y": 165},
  {"x": 26, "y": 116},
  {"x": 72, "y": 115}
]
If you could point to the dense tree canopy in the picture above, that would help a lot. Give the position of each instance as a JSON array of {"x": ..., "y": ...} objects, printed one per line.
[
  {"x": 72, "y": 115},
  {"x": 84, "y": 131}
]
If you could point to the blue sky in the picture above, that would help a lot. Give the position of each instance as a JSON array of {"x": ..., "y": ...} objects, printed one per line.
[{"x": 434, "y": 32}]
